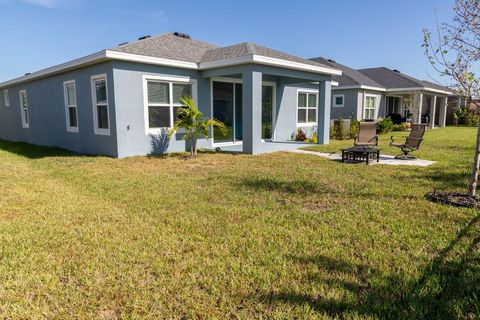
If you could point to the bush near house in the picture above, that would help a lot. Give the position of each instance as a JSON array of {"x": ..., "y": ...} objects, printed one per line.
[{"x": 385, "y": 126}]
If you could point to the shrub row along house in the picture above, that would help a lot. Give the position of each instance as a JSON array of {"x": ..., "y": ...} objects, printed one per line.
[{"x": 121, "y": 101}]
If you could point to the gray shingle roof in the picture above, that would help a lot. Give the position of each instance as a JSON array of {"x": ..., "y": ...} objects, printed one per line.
[
  {"x": 349, "y": 77},
  {"x": 168, "y": 46},
  {"x": 249, "y": 48},
  {"x": 391, "y": 79}
]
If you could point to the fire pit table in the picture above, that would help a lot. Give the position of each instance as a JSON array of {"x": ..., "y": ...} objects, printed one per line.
[{"x": 361, "y": 154}]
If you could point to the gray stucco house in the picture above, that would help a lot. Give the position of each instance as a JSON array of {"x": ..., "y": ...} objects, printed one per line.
[
  {"x": 376, "y": 93},
  {"x": 121, "y": 101}
]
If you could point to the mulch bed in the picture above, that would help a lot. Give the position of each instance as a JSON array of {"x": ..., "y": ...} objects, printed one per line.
[{"x": 457, "y": 199}]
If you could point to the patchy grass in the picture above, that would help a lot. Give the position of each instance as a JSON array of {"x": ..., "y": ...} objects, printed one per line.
[{"x": 279, "y": 235}]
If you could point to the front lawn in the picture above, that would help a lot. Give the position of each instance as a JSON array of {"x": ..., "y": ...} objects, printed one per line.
[{"x": 279, "y": 235}]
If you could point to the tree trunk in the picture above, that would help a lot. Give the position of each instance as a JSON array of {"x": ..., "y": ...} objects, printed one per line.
[
  {"x": 193, "y": 147},
  {"x": 472, "y": 189}
]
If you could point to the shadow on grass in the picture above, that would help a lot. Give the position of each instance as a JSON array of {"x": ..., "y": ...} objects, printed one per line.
[
  {"x": 267, "y": 184},
  {"x": 32, "y": 151},
  {"x": 448, "y": 287}
]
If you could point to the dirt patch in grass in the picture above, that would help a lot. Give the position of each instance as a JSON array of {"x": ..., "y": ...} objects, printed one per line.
[{"x": 453, "y": 198}]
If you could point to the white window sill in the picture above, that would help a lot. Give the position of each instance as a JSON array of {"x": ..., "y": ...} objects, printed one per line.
[
  {"x": 308, "y": 124},
  {"x": 102, "y": 132}
]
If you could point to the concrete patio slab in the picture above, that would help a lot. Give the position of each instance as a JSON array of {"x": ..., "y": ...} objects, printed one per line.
[{"x": 384, "y": 159}]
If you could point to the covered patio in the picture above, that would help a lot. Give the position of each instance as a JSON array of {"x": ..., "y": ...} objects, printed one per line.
[
  {"x": 258, "y": 123},
  {"x": 426, "y": 106}
]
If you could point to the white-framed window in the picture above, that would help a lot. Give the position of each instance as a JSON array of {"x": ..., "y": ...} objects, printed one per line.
[
  {"x": 6, "y": 98},
  {"x": 70, "y": 95},
  {"x": 307, "y": 108},
  {"x": 24, "y": 108},
  {"x": 338, "y": 100},
  {"x": 101, "y": 116},
  {"x": 162, "y": 100},
  {"x": 369, "y": 107}
]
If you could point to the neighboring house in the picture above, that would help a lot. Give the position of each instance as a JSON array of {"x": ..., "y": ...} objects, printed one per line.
[
  {"x": 121, "y": 101},
  {"x": 376, "y": 93}
]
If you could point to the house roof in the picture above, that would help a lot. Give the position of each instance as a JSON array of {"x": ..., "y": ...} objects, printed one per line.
[
  {"x": 168, "y": 46},
  {"x": 394, "y": 79},
  {"x": 172, "y": 49},
  {"x": 249, "y": 48},
  {"x": 349, "y": 77}
]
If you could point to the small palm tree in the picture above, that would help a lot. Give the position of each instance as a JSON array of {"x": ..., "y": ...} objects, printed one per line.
[{"x": 195, "y": 125}]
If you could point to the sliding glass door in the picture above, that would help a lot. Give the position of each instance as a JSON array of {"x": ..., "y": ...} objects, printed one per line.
[
  {"x": 267, "y": 112},
  {"x": 223, "y": 110},
  {"x": 227, "y": 107}
]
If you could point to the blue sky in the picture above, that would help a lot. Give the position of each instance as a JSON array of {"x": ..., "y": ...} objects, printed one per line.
[{"x": 41, "y": 33}]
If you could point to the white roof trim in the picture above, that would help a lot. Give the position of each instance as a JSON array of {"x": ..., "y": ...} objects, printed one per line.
[
  {"x": 420, "y": 88},
  {"x": 106, "y": 55},
  {"x": 268, "y": 61},
  {"x": 115, "y": 55},
  {"x": 361, "y": 87},
  {"x": 90, "y": 59},
  {"x": 295, "y": 65}
]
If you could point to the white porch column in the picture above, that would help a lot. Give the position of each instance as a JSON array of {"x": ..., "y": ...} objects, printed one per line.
[
  {"x": 323, "y": 113},
  {"x": 443, "y": 112},
  {"x": 252, "y": 111},
  {"x": 418, "y": 104},
  {"x": 433, "y": 104}
]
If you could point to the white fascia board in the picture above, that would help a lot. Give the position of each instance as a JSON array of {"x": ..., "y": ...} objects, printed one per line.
[
  {"x": 420, "y": 89},
  {"x": 122, "y": 56},
  {"x": 84, "y": 61},
  {"x": 295, "y": 65},
  {"x": 361, "y": 87},
  {"x": 268, "y": 61}
]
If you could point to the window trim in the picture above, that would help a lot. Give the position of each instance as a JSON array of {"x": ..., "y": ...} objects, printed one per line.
[
  {"x": 25, "y": 121},
  {"x": 374, "y": 106},
  {"x": 335, "y": 96},
  {"x": 6, "y": 97},
  {"x": 170, "y": 80},
  {"x": 307, "y": 124},
  {"x": 67, "y": 106},
  {"x": 96, "y": 129}
]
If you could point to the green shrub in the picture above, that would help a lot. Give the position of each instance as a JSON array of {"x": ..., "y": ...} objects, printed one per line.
[
  {"x": 354, "y": 128},
  {"x": 400, "y": 127},
  {"x": 385, "y": 125},
  {"x": 332, "y": 132},
  {"x": 313, "y": 138},
  {"x": 339, "y": 128},
  {"x": 300, "y": 135}
]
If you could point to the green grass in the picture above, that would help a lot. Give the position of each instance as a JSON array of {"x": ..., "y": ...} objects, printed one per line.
[{"x": 278, "y": 235}]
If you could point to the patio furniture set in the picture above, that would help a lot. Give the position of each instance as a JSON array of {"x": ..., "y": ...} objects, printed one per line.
[{"x": 365, "y": 147}]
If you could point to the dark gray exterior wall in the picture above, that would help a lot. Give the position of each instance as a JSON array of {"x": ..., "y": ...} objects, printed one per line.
[
  {"x": 354, "y": 101},
  {"x": 350, "y": 102},
  {"x": 47, "y": 124}
]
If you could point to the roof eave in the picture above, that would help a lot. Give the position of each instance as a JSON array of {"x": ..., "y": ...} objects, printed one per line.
[
  {"x": 448, "y": 93},
  {"x": 361, "y": 87},
  {"x": 70, "y": 65},
  {"x": 263, "y": 60}
]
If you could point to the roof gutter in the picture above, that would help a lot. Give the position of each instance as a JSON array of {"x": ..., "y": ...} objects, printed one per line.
[{"x": 420, "y": 89}]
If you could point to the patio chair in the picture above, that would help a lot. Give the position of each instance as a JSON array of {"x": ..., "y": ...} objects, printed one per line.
[
  {"x": 367, "y": 135},
  {"x": 412, "y": 143}
]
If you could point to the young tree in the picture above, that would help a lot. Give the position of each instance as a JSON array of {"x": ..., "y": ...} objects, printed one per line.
[
  {"x": 191, "y": 120},
  {"x": 454, "y": 53}
]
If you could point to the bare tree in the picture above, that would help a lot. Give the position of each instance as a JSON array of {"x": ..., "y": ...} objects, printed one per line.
[{"x": 454, "y": 52}]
